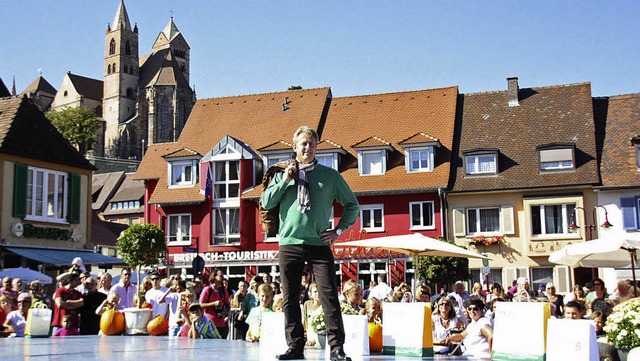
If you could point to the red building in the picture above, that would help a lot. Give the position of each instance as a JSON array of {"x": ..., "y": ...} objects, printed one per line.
[{"x": 393, "y": 149}]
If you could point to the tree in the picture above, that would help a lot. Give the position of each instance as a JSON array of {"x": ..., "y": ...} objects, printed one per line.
[
  {"x": 295, "y": 87},
  {"x": 442, "y": 270},
  {"x": 141, "y": 245},
  {"x": 78, "y": 125}
]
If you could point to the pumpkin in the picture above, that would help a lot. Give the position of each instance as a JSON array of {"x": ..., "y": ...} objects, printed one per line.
[
  {"x": 158, "y": 326},
  {"x": 375, "y": 337},
  {"x": 112, "y": 322},
  {"x": 146, "y": 305}
]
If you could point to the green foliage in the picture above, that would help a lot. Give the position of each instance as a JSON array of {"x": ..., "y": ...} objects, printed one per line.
[
  {"x": 295, "y": 87},
  {"x": 78, "y": 125},
  {"x": 442, "y": 270},
  {"x": 141, "y": 245}
]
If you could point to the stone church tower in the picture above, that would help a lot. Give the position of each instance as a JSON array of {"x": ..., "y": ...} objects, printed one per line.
[{"x": 147, "y": 99}]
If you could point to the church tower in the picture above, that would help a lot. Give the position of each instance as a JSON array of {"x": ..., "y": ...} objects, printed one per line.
[{"x": 121, "y": 74}]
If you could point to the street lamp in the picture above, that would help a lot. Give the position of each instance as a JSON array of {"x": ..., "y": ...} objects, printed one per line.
[{"x": 574, "y": 226}]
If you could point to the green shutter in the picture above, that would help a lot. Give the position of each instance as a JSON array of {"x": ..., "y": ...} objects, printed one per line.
[
  {"x": 74, "y": 198},
  {"x": 20, "y": 175}
]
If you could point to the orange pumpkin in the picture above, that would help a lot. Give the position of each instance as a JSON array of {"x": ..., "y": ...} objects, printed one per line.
[
  {"x": 146, "y": 305},
  {"x": 375, "y": 337},
  {"x": 112, "y": 322},
  {"x": 158, "y": 326}
]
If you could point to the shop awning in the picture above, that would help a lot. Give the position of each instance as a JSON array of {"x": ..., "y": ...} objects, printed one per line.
[{"x": 62, "y": 257}]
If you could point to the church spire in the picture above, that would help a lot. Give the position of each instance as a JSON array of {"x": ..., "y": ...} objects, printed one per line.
[
  {"x": 121, "y": 21},
  {"x": 171, "y": 30}
]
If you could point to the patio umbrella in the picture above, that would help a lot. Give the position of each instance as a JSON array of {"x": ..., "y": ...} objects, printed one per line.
[
  {"x": 617, "y": 250},
  {"x": 415, "y": 244},
  {"x": 27, "y": 275}
]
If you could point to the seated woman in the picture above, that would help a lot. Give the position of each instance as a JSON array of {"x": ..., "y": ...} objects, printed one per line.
[
  {"x": 352, "y": 292},
  {"x": 576, "y": 295},
  {"x": 443, "y": 322},
  {"x": 373, "y": 310},
  {"x": 478, "y": 336}
]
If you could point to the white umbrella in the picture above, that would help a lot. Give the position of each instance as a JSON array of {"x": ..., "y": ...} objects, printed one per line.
[
  {"x": 26, "y": 274},
  {"x": 617, "y": 250},
  {"x": 415, "y": 244}
]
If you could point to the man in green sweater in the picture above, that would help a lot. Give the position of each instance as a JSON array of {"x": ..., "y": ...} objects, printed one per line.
[{"x": 306, "y": 192}]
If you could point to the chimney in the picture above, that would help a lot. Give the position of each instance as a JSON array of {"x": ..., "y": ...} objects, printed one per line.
[{"x": 512, "y": 91}]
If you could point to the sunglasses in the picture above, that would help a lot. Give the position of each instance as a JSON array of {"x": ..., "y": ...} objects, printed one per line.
[
  {"x": 154, "y": 278},
  {"x": 473, "y": 309}
]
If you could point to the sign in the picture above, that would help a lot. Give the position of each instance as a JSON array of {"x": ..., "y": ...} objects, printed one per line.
[
  {"x": 520, "y": 331},
  {"x": 356, "y": 337},
  {"x": 407, "y": 329},
  {"x": 198, "y": 264},
  {"x": 571, "y": 340},
  {"x": 189, "y": 249},
  {"x": 226, "y": 256},
  {"x": 486, "y": 270},
  {"x": 272, "y": 339}
]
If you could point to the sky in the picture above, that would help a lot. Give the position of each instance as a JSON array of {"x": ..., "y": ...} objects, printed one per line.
[{"x": 354, "y": 47}]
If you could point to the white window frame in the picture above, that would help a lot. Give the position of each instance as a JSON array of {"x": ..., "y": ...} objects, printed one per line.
[
  {"x": 475, "y": 160},
  {"x": 328, "y": 159},
  {"x": 422, "y": 225},
  {"x": 556, "y": 163},
  {"x": 275, "y": 158},
  {"x": 181, "y": 165},
  {"x": 61, "y": 185},
  {"x": 382, "y": 153},
  {"x": 172, "y": 235},
  {"x": 566, "y": 220},
  {"x": 226, "y": 201},
  {"x": 371, "y": 209},
  {"x": 478, "y": 222},
  {"x": 409, "y": 155},
  {"x": 228, "y": 238}
]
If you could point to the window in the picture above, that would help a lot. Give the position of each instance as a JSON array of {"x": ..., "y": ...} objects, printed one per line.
[
  {"x": 179, "y": 229},
  {"x": 180, "y": 118},
  {"x": 556, "y": 159},
  {"x": 372, "y": 217},
  {"x": 372, "y": 162},
  {"x": 109, "y": 69},
  {"x": 226, "y": 179},
  {"x": 328, "y": 160},
  {"x": 275, "y": 158},
  {"x": 551, "y": 218},
  {"x": 46, "y": 195},
  {"x": 127, "y": 48},
  {"x": 481, "y": 164},
  {"x": 125, "y": 69},
  {"x": 226, "y": 226},
  {"x": 183, "y": 173},
  {"x": 630, "y": 207},
  {"x": 422, "y": 215},
  {"x": 421, "y": 159},
  {"x": 164, "y": 119},
  {"x": 638, "y": 157},
  {"x": 112, "y": 47},
  {"x": 481, "y": 220}
]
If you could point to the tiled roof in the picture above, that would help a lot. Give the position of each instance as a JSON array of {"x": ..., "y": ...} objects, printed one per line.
[
  {"x": 545, "y": 115},
  {"x": 371, "y": 142},
  {"x": 618, "y": 167},
  {"x": 277, "y": 146},
  {"x": 419, "y": 138},
  {"x": 40, "y": 84},
  {"x": 4, "y": 91},
  {"x": 184, "y": 152},
  {"x": 256, "y": 120},
  {"x": 130, "y": 190},
  {"x": 87, "y": 87},
  {"x": 160, "y": 68},
  {"x": 327, "y": 144},
  {"x": 25, "y": 132},
  {"x": 103, "y": 187},
  {"x": 105, "y": 233},
  {"x": 394, "y": 117}
]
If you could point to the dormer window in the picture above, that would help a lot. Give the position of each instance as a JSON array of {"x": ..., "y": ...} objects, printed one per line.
[
  {"x": 481, "y": 162},
  {"x": 637, "y": 156},
  {"x": 272, "y": 159},
  {"x": 183, "y": 173},
  {"x": 372, "y": 162},
  {"x": 421, "y": 159},
  {"x": 556, "y": 157},
  {"x": 329, "y": 160}
]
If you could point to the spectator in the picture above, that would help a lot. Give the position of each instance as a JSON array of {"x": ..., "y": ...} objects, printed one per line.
[
  {"x": 382, "y": 290},
  {"x": 6, "y": 307},
  {"x": 125, "y": 290},
  {"x": 267, "y": 278},
  {"x": 599, "y": 291},
  {"x": 305, "y": 281},
  {"x": 308, "y": 309},
  {"x": 599, "y": 319},
  {"x": 478, "y": 336},
  {"x": 37, "y": 298},
  {"x": 145, "y": 286},
  {"x": 443, "y": 322},
  {"x": 7, "y": 287},
  {"x": 407, "y": 297},
  {"x": 241, "y": 326},
  {"x": 67, "y": 301},
  {"x": 374, "y": 310},
  {"x": 523, "y": 292},
  {"x": 556, "y": 299},
  {"x": 201, "y": 327},
  {"x": 574, "y": 310},
  {"x": 576, "y": 295},
  {"x": 460, "y": 293},
  {"x": 491, "y": 313},
  {"x": 110, "y": 303},
  {"x": 17, "y": 320},
  {"x": 68, "y": 328},
  {"x": 89, "y": 321},
  {"x": 496, "y": 292},
  {"x": 352, "y": 292},
  {"x": 622, "y": 292},
  {"x": 105, "y": 283},
  {"x": 215, "y": 303},
  {"x": 196, "y": 286},
  {"x": 83, "y": 277},
  {"x": 265, "y": 293},
  {"x": 17, "y": 285},
  {"x": 423, "y": 294},
  {"x": 155, "y": 295},
  {"x": 477, "y": 289},
  {"x": 175, "y": 300},
  {"x": 365, "y": 293}
]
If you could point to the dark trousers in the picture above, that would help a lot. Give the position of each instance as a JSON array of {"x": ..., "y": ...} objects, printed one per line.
[{"x": 320, "y": 258}]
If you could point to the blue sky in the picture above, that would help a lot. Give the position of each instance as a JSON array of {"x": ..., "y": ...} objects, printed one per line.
[{"x": 355, "y": 47}]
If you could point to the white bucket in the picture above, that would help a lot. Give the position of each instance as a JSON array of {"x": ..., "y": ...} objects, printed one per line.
[{"x": 137, "y": 319}]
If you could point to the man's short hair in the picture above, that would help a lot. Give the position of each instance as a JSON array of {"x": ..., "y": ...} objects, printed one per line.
[
  {"x": 578, "y": 306},
  {"x": 305, "y": 129},
  {"x": 125, "y": 269}
]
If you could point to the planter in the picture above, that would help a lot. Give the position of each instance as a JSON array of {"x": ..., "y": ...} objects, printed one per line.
[
  {"x": 322, "y": 340},
  {"x": 137, "y": 319}
]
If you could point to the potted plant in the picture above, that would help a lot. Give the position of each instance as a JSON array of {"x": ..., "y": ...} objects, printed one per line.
[
  {"x": 319, "y": 326},
  {"x": 140, "y": 245},
  {"x": 623, "y": 326}
]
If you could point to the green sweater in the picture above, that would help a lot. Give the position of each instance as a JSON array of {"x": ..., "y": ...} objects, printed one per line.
[{"x": 325, "y": 186}]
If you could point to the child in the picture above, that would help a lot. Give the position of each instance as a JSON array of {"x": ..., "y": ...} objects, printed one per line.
[
  {"x": 599, "y": 319},
  {"x": 66, "y": 329},
  {"x": 109, "y": 303},
  {"x": 265, "y": 295},
  {"x": 374, "y": 310},
  {"x": 200, "y": 327}
]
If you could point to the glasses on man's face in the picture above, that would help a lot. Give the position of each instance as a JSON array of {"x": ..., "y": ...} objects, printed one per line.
[
  {"x": 470, "y": 309},
  {"x": 155, "y": 279}
]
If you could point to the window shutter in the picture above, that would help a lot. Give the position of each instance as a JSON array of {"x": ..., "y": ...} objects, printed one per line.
[
  {"x": 629, "y": 213},
  {"x": 20, "y": 174},
  {"x": 561, "y": 279},
  {"x": 506, "y": 213},
  {"x": 458, "y": 222},
  {"x": 74, "y": 198},
  {"x": 508, "y": 275}
]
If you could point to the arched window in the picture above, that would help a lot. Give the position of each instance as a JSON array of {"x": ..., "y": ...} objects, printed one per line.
[
  {"x": 112, "y": 47},
  {"x": 114, "y": 68},
  {"x": 109, "y": 69},
  {"x": 127, "y": 48},
  {"x": 164, "y": 119}
]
